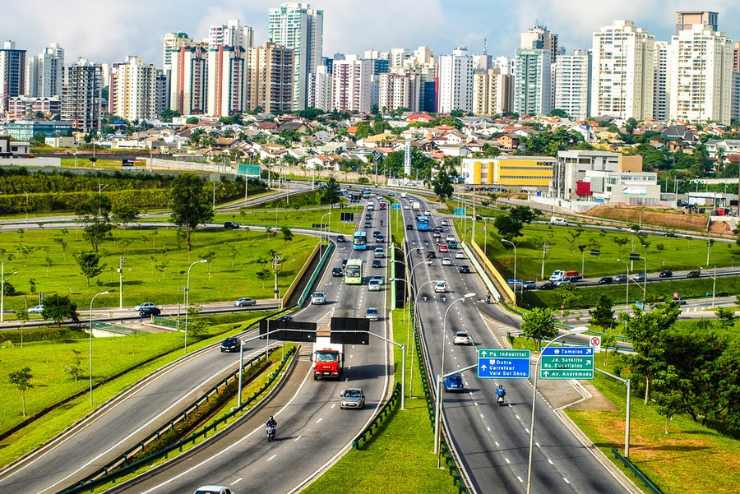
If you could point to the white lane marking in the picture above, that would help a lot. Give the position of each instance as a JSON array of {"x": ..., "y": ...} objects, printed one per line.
[
  {"x": 566, "y": 480},
  {"x": 299, "y": 436},
  {"x": 272, "y": 457},
  {"x": 508, "y": 462},
  {"x": 538, "y": 444},
  {"x": 497, "y": 444},
  {"x": 526, "y": 429},
  {"x": 488, "y": 429},
  {"x": 550, "y": 461},
  {"x": 481, "y": 415},
  {"x": 333, "y": 405},
  {"x": 476, "y": 403},
  {"x": 517, "y": 417},
  {"x": 236, "y": 481},
  {"x": 319, "y": 420},
  {"x": 520, "y": 479}
]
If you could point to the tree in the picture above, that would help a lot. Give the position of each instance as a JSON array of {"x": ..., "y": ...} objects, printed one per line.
[
  {"x": 539, "y": 324},
  {"x": 94, "y": 214},
  {"x": 21, "y": 379},
  {"x": 125, "y": 213},
  {"x": 522, "y": 214},
  {"x": 192, "y": 121},
  {"x": 608, "y": 340},
  {"x": 8, "y": 289},
  {"x": 726, "y": 316},
  {"x": 89, "y": 263},
  {"x": 58, "y": 308},
  {"x": 603, "y": 313},
  {"x": 287, "y": 234},
  {"x": 331, "y": 194},
  {"x": 190, "y": 204},
  {"x": 442, "y": 185},
  {"x": 75, "y": 368},
  {"x": 557, "y": 112},
  {"x": 508, "y": 227}
]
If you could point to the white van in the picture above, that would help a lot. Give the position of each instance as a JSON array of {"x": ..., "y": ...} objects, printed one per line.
[{"x": 558, "y": 221}]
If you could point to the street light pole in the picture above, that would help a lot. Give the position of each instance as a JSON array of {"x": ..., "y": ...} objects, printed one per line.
[
  {"x": 2, "y": 291},
  {"x": 438, "y": 411},
  {"x": 513, "y": 245},
  {"x": 187, "y": 299},
  {"x": 90, "y": 376},
  {"x": 534, "y": 400}
]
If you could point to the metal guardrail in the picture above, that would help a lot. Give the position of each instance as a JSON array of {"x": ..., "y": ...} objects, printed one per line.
[
  {"x": 118, "y": 468},
  {"x": 636, "y": 470}
]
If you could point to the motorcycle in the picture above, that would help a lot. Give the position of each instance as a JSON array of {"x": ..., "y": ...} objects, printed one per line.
[
  {"x": 271, "y": 431},
  {"x": 500, "y": 401}
]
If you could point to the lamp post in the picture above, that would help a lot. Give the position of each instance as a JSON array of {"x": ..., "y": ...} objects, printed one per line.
[
  {"x": 577, "y": 330},
  {"x": 442, "y": 367},
  {"x": 187, "y": 299},
  {"x": 513, "y": 245},
  {"x": 326, "y": 233},
  {"x": 90, "y": 377}
]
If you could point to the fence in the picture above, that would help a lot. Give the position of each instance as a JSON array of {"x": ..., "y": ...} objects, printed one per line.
[
  {"x": 379, "y": 421},
  {"x": 636, "y": 470},
  {"x": 119, "y": 467}
]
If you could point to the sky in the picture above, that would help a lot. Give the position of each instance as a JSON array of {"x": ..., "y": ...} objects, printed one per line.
[{"x": 107, "y": 31}]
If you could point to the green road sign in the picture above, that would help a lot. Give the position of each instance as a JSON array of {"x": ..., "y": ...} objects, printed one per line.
[
  {"x": 249, "y": 170},
  {"x": 563, "y": 363}
]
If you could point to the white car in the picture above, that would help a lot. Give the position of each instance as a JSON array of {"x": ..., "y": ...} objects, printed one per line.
[
  {"x": 374, "y": 285},
  {"x": 212, "y": 489},
  {"x": 143, "y": 306},
  {"x": 446, "y": 261},
  {"x": 36, "y": 310},
  {"x": 462, "y": 338},
  {"x": 427, "y": 213},
  {"x": 459, "y": 255},
  {"x": 318, "y": 298},
  {"x": 450, "y": 238},
  {"x": 558, "y": 221},
  {"x": 440, "y": 286},
  {"x": 406, "y": 207}
]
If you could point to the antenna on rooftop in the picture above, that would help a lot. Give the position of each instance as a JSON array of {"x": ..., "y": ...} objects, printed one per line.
[{"x": 485, "y": 46}]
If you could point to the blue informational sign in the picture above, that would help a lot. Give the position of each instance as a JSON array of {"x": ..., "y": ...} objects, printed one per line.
[
  {"x": 396, "y": 206},
  {"x": 502, "y": 363},
  {"x": 564, "y": 363},
  {"x": 458, "y": 212}
]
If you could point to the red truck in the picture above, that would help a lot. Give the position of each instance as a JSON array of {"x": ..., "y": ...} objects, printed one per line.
[{"x": 328, "y": 359}]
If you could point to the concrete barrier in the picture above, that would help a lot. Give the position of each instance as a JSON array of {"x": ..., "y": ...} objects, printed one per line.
[
  {"x": 53, "y": 162},
  {"x": 501, "y": 285},
  {"x": 309, "y": 261}
]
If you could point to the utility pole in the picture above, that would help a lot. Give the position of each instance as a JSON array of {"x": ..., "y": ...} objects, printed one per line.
[
  {"x": 121, "y": 261},
  {"x": 2, "y": 292},
  {"x": 275, "y": 268}
]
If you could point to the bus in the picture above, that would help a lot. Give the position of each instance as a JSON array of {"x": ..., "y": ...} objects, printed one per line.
[
  {"x": 359, "y": 241},
  {"x": 353, "y": 272},
  {"x": 422, "y": 223}
]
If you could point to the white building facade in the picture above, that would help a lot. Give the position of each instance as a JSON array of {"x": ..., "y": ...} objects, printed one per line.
[
  {"x": 456, "y": 81},
  {"x": 351, "y": 85},
  {"x": 573, "y": 84}
]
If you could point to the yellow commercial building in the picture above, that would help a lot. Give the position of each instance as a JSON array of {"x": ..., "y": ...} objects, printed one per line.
[{"x": 510, "y": 171}]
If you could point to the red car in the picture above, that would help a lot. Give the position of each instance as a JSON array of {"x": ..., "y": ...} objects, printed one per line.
[{"x": 443, "y": 248}]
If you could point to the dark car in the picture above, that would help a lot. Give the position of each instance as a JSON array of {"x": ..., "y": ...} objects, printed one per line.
[
  {"x": 230, "y": 345},
  {"x": 666, "y": 273},
  {"x": 693, "y": 274},
  {"x": 337, "y": 272},
  {"x": 377, "y": 233},
  {"x": 149, "y": 311},
  {"x": 341, "y": 239},
  {"x": 409, "y": 227},
  {"x": 620, "y": 278},
  {"x": 431, "y": 254},
  {"x": 285, "y": 318},
  {"x": 231, "y": 225},
  {"x": 463, "y": 268},
  {"x": 639, "y": 277},
  {"x": 368, "y": 224},
  {"x": 606, "y": 280},
  {"x": 344, "y": 262},
  {"x": 454, "y": 383},
  {"x": 380, "y": 239},
  {"x": 377, "y": 263},
  {"x": 548, "y": 285},
  {"x": 529, "y": 285}
]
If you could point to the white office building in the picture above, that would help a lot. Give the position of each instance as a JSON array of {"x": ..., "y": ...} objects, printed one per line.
[
  {"x": 661, "y": 93},
  {"x": 456, "y": 81},
  {"x": 573, "y": 84},
  {"x": 320, "y": 89},
  {"x": 44, "y": 72},
  {"x": 233, "y": 33},
  {"x": 351, "y": 85},
  {"x": 701, "y": 75},
  {"x": 399, "y": 90},
  {"x": 622, "y": 72},
  {"x": 299, "y": 27}
]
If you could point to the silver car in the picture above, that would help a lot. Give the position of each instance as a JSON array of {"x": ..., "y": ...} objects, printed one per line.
[{"x": 352, "y": 398}]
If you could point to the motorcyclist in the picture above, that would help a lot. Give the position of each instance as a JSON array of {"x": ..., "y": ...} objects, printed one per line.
[
  {"x": 271, "y": 423},
  {"x": 500, "y": 393}
]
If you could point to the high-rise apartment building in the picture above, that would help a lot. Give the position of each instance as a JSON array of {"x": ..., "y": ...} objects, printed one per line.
[
  {"x": 171, "y": 44},
  {"x": 399, "y": 90},
  {"x": 270, "y": 78},
  {"x": 623, "y": 69},
  {"x": 491, "y": 92},
  {"x": 12, "y": 73},
  {"x": 736, "y": 57},
  {"x": 661, "y": 93},
  {"x": 136, "y": 90},
  {"x": 533, "y": 82},
  {"x": 686, "y": 19},
  {"x": 736, "y": 81},
  {"x": 188, "y": 79},
  {"x": 44, "y": 72},
  {"x": 233, "y": 33},
  {"x": 320, "y": 89},
  {"x": 398, "y": 57},
  {"x": 227, "y": 80},
  {"x": 351, "y": 85},
  {"x": 299, "y": 27},
  {"x": 573, "y": 84},
  {"x": 456, "y": 81},
  {"x": 540, "y": 38},
  {"x": 700, "y": 64},
  {"x": 81, "y": 95}
]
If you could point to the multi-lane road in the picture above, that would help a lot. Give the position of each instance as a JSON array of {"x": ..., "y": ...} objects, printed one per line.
[{"x": 493, "y": 440}]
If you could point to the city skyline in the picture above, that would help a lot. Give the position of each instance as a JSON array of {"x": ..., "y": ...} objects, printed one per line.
[{"x": 112, "y": 32}]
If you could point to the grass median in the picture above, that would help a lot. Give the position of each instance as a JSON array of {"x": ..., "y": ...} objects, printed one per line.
[
  {"x": 400, "y": 458},
  {"x": 134, "y": 356},
  {"x": 296, "y": 218}
]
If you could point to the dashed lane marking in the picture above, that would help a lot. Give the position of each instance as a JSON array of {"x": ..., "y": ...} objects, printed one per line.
[{"x": 271, "y": 458}]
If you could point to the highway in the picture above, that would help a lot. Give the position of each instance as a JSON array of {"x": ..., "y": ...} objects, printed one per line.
[
  {"x": 312, "y": 429},
  {"x": 493, "y": 440}
]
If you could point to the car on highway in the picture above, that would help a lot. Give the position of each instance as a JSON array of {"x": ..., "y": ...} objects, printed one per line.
[
  {"x": 454, "y": 383},
  {"x": 606, "y": 280},
  {"x": 409, "y": 227},
  {"x": 337, "y": 272},
  {"x": 149, "y": 311},
  {"x": 446, "y": 261},
  {"x": 666, "y": 273},
  {"x": 372, "y": 314},
  {"x": 427, "y": 213},
  {"x": 212, "y": 489},
  {"x": 443, "y": 248},
  {"x": 245, "y": 302},
  {"x": 374, "y": 285},
  {"x": 368, "y": 224},
  {"x": 431, "y": 255},
  {"x": 285, "y": 318},
  {"x": 529, "y": 285},
  {"x": 620, "y": 278},
  {"x": 548, "y": 285},
  {"x": 450, "y": 238},
  {"x": 318, "y": 298},
  {"x": 463, "y": 268},
  {"x": 459, "y": 255},
  {"x": 563, "y": 283},
  {"x": 341, "y": 239},
  {"x": 231, "y": 225},
  {"x": 38, "y": 309},
  {"x": 558, "y": 221},
  {"x": 693, "y": 274},
  {"x": 440, "y": 286},
  {"x": 230, "y": 345},
  {"x": 462, "y": 338},
  {"x": 436, "y": 236},
  {"x": 406, "y": 207},
  {"x": 344, "y": 262},
  {"x": 379, "y": 253},
  {"x": 639, "y": 277},
  {"x": 144, "y": 305},
  {"x": 352, "y": 398},
  {"x": 377, "y": 234},
  {"x": 380, "y": 239},
  {"x": 377, "y": 263}
]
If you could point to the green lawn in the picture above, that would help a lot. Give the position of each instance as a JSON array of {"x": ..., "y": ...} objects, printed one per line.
[
  {"x": 52, "y": 383},
  {"x": 155, "y": 267},
  {"x": 295, "y": 218},
  {"x": 400, "y": 459},
  {"x": 563, "y": 251},
  {"x": 661, "y": 291}
]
